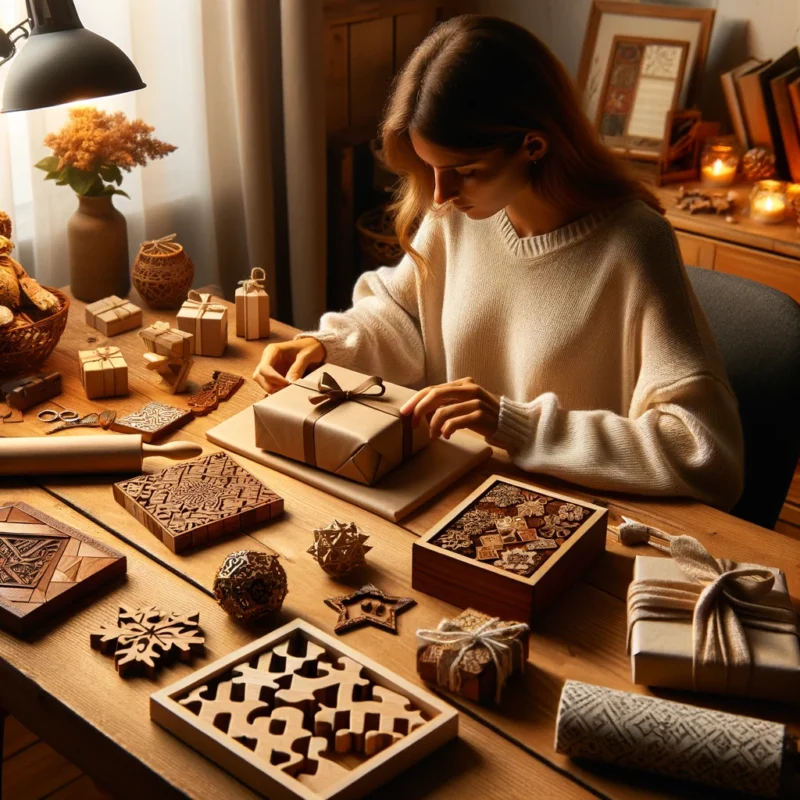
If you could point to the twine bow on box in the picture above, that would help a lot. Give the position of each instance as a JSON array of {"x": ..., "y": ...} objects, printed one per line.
[
  {"x": 115, "y": 304},
  {"x": 104, "y": 355},
  {"x": 497, "y": 640},
  {"x": 719, "y": 596},
  {"x": 255, "y": 281},
  {"x": 200, "y": 302}
]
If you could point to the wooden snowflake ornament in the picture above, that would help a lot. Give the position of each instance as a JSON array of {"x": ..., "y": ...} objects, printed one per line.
[
  {"x": 143, "y": 635},
  {"x": 339, "y": 547}
]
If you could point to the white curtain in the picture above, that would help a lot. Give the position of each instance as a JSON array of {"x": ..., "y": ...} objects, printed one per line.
[{"x": 208, "y": 93}]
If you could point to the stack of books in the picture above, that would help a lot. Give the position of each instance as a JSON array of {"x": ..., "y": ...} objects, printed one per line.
[{"x": 763, "y": 99}]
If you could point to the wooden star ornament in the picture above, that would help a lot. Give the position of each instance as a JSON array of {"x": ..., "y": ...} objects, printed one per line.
[{"x": 371, "y": 606}]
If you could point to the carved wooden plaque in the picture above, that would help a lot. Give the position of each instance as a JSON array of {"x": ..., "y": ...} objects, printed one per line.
[
  {"x": 45, "y": 565},
  {"x": 153, "y": 421},
  {"x": 297, "y": 714},
  {"x": 191, "y": 503}
]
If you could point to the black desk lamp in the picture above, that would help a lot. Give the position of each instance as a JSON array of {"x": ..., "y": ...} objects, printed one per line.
[{"x": 62, "y": 62}]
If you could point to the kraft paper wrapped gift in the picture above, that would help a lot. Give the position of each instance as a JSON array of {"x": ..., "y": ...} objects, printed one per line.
[
  {"x": 342, "y": 422},
  {"x": 712, "y": 625},
  {"x": 104, "y": 372},
  {"x": 207, "y": 321},
  {"x": 472, "y": 654},
  {"x": 113, "y": 315},
  {"x": 166, "y": 341},
  {"x": 252, "y": 307}
]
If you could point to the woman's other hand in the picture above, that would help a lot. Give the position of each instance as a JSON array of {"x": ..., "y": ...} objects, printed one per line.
[
  {"x": 455, "y": 405},
  {"x": 285, "y": 362}
]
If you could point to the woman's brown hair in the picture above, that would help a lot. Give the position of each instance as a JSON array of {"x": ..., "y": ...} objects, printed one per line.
[{"x": 479, "y": 83}]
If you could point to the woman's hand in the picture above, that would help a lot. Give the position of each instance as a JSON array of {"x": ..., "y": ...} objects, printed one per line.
[
  {"x": 285, "y": 362},
  {"x": 455, "y": 405}
]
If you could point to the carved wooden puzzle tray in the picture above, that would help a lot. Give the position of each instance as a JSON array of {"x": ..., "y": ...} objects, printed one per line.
[{"x": 299, "y": 714}]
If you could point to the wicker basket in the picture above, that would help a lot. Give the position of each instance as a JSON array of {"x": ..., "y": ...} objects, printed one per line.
[
  {"x": 379, "y": 243},
  {"x": 163, "y": 273},
  {"x": 26, "y": 348}
]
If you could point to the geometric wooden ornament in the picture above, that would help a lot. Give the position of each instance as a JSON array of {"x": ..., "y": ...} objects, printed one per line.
[
  {"x": 46, "y": 565},
  {"x": 153, "y": 421}
]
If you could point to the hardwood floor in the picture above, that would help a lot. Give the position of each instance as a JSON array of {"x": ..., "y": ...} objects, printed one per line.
[{"x": 32, "y": 770}]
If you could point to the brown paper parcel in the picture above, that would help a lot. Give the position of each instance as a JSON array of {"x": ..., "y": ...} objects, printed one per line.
[
  {"x": 662, "y": 650},
  {"x": 207, "y": 321},
  {"x": 166, "y": 341},
  {"x": 113, "y": 315},
  {"x": 361, "y": 438},
  {"x": 104, "y": 372},
  {"x": 252, "y": 307}
]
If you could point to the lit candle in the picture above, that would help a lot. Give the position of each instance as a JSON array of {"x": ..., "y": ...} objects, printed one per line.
[
  {"x": 768, "y": 207},
  {"x": 793, "y": 198},
  {"x": 719, "y": 173}
]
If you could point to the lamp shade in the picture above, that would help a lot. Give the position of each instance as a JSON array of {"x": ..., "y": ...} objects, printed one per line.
[{"x": 63, "y": 62}]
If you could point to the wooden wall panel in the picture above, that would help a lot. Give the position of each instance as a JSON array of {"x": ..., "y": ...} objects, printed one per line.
[
  {"x": 371, "y": 62},
  {"x": 409, "y": 31},
  {"x": 337, "y": 107}
]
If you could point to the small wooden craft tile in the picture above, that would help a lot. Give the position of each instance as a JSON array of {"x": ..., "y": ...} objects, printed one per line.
[
  {"x": 541, "y": 542},
  {"x": 198, "y": 501},
  {"x": 153, "y": 421},
  {"x": 370, "y": 606},
  {"x": 297, "y": 714},
  {"x": 46, "y": 565}
]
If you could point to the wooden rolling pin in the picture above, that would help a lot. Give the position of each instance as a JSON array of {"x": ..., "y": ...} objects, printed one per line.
[{"x": 39, "y": 455}]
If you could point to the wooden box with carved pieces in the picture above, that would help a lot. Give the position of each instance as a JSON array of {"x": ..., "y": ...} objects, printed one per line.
[
  {"x": 298, "y": 714},
  {"x": 508, "y": 549}
]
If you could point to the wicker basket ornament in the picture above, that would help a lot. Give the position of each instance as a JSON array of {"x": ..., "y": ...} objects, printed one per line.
[
  {"x": 163, "y": 273},
  {"x": 26, "y": 347}
]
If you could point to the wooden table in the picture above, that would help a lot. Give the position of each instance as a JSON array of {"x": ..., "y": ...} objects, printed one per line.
[{"x": 71, "y": 696}]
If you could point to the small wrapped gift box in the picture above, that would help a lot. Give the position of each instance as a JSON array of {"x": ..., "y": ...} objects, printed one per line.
[
  {"x": 207, "y": 321},
  {"x": 473, "y": 654},
  {"x": 252, "y": 307},
  {"x": 508, "y": 549},
  {"x": 741, "y": 639},
  {"x": 342, "y": 422},
  {"x": 104, "y": 372},
  {"x": 160, "y": 338},
  {"x": 113, "y": 315},
  {"x": 27, "y": 392}
]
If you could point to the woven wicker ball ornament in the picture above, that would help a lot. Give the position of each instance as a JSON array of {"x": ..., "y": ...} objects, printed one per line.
[
  {"x": 163, "y": 273},
  {"x": 339, "y": 547},
  {"x": 758, "y": 164},
  {"x": 250, "y": 584}
]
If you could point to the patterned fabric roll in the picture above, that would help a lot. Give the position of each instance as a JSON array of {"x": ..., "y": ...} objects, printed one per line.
[{"x": 679, "y": 741}]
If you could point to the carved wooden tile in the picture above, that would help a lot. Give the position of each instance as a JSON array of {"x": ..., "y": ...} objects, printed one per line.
[
  {"x": 298, "y": 713},
  {"x": 198, "y": 501},
  {"x": 46, "y": 565},
  {"x": 153, "y": 421}
]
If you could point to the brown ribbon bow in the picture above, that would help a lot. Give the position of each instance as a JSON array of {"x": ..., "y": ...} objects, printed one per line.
[{"x": 332, "y": 392}]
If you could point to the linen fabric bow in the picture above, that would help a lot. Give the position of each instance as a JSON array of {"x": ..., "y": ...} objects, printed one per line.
[
  {"x": 497, "y": 639},
  {"x": 720, "y": 597}
]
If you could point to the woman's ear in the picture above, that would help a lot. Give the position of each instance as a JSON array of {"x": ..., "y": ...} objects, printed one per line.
[{"x": 535, "y": 144}]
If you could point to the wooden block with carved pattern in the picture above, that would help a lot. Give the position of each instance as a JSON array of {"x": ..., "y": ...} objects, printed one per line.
[
  {"x": 46, "y": 565},
  {"x": 189, "y": 504}
]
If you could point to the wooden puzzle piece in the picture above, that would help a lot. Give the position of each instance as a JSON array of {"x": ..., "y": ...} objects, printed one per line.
[
  {"x": 174, "y": 372},
  {"x": 367, "y": 726},
  {"x": 226, "y": 705}
]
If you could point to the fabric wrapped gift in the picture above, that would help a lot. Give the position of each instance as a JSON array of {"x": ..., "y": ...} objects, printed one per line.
[
  {"x": 113, "y": 315},
  {"x": 252, "y": 307},
  {"x": 473, "y": 654},
  {"x": 705, "y": 624},
  {"x": 27, "y": 392},
  {"x": 166, "y": 341},
  {"x": 104, "y": 372},
  {"x": 342, "y": 422},
  {"x": 207, "y": 321}
]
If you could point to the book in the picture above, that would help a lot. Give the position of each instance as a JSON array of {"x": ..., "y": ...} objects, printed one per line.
[
  {"x": 758, "y": 106},
  {"x": 731, "y": 92},
  {"x": 794, "y": 97},
  {"x": 786, "y": 120}
]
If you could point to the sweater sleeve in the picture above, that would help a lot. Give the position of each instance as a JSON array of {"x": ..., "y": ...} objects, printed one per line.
[
  {"x": 681, "y": 435},
  {"x": 382, "y": 333}
]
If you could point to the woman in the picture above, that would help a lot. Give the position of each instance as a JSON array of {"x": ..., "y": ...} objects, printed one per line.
[{"x": 543, "y": 272}]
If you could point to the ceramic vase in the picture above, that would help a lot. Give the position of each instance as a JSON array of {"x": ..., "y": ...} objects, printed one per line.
[{"x": 98, "y": 250}]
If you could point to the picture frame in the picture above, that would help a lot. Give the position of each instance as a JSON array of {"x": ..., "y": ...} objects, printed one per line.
[
  {"x": 641, "y": 87},
  {"x": 680, "y": 152},
  {"x": 609, "y": 19}
]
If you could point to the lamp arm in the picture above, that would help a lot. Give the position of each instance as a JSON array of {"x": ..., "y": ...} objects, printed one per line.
[{"x": 8, "y": 40}]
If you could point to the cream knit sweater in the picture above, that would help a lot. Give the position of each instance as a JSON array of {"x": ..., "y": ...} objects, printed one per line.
[{"x": 591, "y": 334}]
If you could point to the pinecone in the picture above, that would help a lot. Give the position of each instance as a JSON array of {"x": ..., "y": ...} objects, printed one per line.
[
  {"x": 5, "y": 225},
  {"x": 758, "y": 164}
]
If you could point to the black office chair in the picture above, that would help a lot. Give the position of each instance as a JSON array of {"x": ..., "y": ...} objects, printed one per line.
[{"x": 757, "y": 329}]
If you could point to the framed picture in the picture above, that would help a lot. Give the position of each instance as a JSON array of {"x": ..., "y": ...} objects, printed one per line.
[
  {"x": 641, "y": 88},
  {"x": 680, "y": 153},
  {"x": 611, "y": 21}
]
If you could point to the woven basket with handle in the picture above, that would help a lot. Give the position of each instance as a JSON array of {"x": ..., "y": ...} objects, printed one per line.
[{"x": 163, "y": 273}]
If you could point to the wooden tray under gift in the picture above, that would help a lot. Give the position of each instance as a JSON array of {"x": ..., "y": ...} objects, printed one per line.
[
  {"x": 463, "y": 580},
  {"x": 292, "y": 713}
]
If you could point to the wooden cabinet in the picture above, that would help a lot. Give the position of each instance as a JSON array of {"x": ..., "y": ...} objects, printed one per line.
[{"x": 696, "y": 250}]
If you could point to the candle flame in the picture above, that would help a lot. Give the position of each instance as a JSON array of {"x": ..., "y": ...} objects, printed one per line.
[{"x": 718, "y": 167}]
